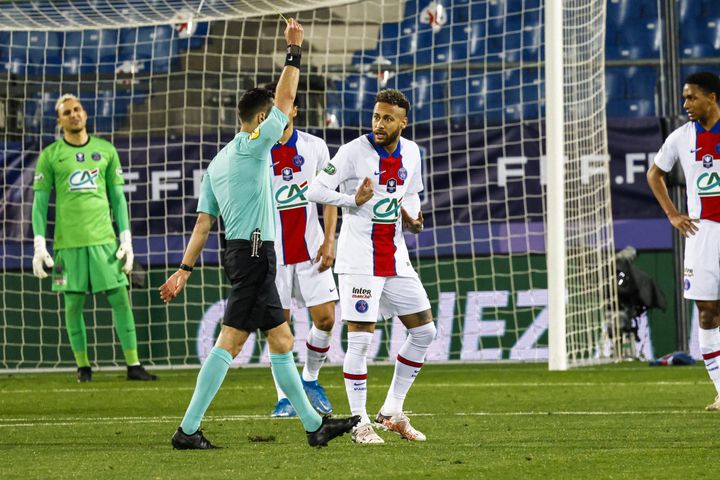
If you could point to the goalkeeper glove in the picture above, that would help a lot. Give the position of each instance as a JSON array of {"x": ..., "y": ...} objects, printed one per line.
[
  {"x": 125, "y": 250},
  {"x": 41, "y": 258}
]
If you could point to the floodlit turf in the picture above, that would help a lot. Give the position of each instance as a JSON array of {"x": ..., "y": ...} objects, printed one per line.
[{"x": 482, "y": 421}]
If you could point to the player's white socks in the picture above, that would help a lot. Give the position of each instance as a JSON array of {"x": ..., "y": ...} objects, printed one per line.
[
  {"x": 710, "y": 349},
  {"x": 407, "y": 366},
  {"x": 355, "y": 373},
  {"x": 318, "y": 344}
]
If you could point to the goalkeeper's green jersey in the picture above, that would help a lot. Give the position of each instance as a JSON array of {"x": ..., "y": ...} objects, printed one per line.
[{"x": 80, "y": 176}]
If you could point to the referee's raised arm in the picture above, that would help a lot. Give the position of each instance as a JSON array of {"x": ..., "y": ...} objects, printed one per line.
[{"x": 287, "y": 85}]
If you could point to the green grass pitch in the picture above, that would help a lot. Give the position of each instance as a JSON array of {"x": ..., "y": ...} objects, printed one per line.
[{"x": 482, "y": 421}]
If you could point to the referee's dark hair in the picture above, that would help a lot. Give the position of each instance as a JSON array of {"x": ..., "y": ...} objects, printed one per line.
[
  {"x": 708, "y": 82},
  {"x": 393, "y": 97},
  {"x": 254, "y": 101}
]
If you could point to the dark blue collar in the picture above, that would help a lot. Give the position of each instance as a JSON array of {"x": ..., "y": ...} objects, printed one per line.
[
  {"x": 381, "y": 151},
  {"x": 715, "y": 129},
  {"x": 291, "y": 141}
]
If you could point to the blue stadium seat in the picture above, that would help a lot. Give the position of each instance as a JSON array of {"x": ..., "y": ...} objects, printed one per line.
[
  {"x": 4, "y": 49},
  {"x": 615, "y": 83},
  {"x": 107, "y": 111},
  {"x": 686, "y": 70},
  {"x": 711, "y": 8},
  {"x": 154, "y": 48},
  {"x": 690, "y": 9},
  {"x": 623, "y": 12},
  {"x": 90, "y": 51},
  {"x": 425, "y": 91},
  {"x": 700, "y": 39},
  {"x": 641, "y": 83},
  {"x": 631, "y": 108},
  {"x": 39, "y": 113},
  {"x": 649, "y": 10},
  {"x": 640, "y": 40},
  {"x": 33, "y": 53},
  {"x": 523, "y": 37},
  {"x": 358, "y": 99}
]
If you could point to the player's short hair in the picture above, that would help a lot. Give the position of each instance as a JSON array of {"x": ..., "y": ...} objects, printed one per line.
[
  {"x": 393, "y": 97},
  {"x": 708, "y": 82},
  {"x": 254, "y": 101},
  {"x": 63, "y": 98},
  {"x": 273, "y": 87}
]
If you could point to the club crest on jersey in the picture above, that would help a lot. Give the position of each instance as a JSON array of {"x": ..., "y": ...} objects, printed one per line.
[
  {"x": 707, "y": 161},
  {"x": 287, "y": 174},
  {"x": 361, "y": 306},
  {"x": 39, "y": 177},
  {"x": 291, "y": 196},
  {"x": 686, "y": 284},
  {"x": 298, "y": 160},
  {"x": 83, "y": 180},
  {"x": 402, "y": 173},
  {"x": 391, "y": 185},
  {"x": 708, "y": 184},
  {"x": 96, "y": 156},
  {"x": 80, "y": 157},
  {"x": 387, "y": 210}
]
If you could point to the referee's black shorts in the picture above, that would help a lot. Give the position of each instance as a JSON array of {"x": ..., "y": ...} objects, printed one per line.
[{"x": 253, "y": 302}]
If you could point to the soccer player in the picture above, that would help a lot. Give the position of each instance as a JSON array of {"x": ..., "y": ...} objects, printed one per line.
[
  {"x": 304, "y": 254},
  {"x": 696, "y": 145},
  {"x": 379, "y": 178},
  {"x": 85, "y": 172},
  {"x": 237, "y": 187}
]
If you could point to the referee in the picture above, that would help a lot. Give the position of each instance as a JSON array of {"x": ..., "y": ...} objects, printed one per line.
[{"x": 237, "y": 187}]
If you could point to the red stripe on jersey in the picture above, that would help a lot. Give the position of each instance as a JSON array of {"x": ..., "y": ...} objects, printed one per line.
[
  {"x": 707, "y": 144},
  {"x": 355, "y": 376},
  {"x": 708, "y": 356},
  {"x": 293, "y": 222},
  {"x": 282, "y": 157},
  {"x": 389, "y": 167},
  {"x": 410, "y": 363},
  {"x": 316, "y": 349},
  {"x": 383, "y": 241}
]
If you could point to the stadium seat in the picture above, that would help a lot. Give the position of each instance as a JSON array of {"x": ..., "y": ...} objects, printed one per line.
[
  {"x": 106, "y": 111},
  {"x": 39, "y": 113},
  {"x": 615, "y": 83},
  {"x": 699, "y": 38},
  {"x": 649, "y": 10},
  {"x": 690, "y": 9},
  {"x": 631, "y": 108},
  {"x": 710, "y": 8},
  {"x": 35, "y": 53},
  {"x": 639, "y": 40},
  {"x": 623, "y": 12},
  {"x": 641, "y": 83},
  {"x": 153, "y": 48},
  {"x": 426, "y": 93},
  {"x": 90, "y": 51},
  {"x": 522, "y": 37},
  {"x": 358, "y": 94}
]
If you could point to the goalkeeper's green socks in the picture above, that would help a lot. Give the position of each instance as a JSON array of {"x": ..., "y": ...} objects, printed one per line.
[
  {"x": 124, "y": 323},
  {"x": 75, "y": 326},
  {"x": 287, "y": 376},
  {"x": 208, "y": 383}
]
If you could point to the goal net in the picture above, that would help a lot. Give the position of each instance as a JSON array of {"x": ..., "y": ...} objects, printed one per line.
[{"x": 160, "y": 79}]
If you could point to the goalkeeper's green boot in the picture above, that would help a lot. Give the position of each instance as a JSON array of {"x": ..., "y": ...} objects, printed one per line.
[{"x": 84, "y": 374}]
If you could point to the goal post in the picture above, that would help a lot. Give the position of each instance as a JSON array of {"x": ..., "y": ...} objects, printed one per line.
[{"x": 508, "y": 109}]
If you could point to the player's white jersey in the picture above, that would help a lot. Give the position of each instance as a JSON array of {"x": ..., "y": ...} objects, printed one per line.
[
  {"x": 371, "y": 241},
  {"x": 298, "y": 234},
  {"x": 698, "y": 151}
]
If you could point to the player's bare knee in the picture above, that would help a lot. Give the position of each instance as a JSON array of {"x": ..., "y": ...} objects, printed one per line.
[
  {"x": 324, "y": 323},
  {"x": 708, "y": 314},
  {"x": 367, "y": 327},
  {"x": 280, "y": 339}
]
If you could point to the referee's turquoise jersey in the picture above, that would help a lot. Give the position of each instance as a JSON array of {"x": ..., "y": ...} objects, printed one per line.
[{"x": 237, "y": 183}]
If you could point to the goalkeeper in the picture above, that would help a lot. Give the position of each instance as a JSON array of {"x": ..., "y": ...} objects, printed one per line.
[{"x": 85, "y": 172}]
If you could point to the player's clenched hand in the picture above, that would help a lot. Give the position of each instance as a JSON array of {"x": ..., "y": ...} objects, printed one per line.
[
  {"x": 125, "y": 251},
  {"x": 364, "y": 192},
  {"x": 326, "y": 256},
  {"x": 415, "y": 225},
  {"x": 294, "y": 33},
  {"x": 174, "y": 285},
  {"x": 41, "y": 258},
  {"x": 684, "y": 223}
]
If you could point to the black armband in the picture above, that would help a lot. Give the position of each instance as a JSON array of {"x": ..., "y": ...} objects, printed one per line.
[
  {"x": 294, "y": 54},
  {"x": 187, "y": 268}
]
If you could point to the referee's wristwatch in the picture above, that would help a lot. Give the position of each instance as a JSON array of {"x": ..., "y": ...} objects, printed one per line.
[{"x": 187, "y": 268}]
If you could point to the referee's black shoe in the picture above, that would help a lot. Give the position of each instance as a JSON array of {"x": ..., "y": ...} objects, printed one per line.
[
  {"x": 138, "y": 372},
  {"x": 84, "y": 374},
  {"x": 196, "y": 441},
  {"x": 331, "y": 428}
]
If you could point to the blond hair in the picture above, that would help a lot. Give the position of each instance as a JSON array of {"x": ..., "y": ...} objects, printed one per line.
[{"x": 64, "y": 98}]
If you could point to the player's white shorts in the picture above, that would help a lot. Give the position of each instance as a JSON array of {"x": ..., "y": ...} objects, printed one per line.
[
  {"x": 304, "y": 283},
  {"x": 363, "y": 297},
  {"x": 702, "y": 262}
]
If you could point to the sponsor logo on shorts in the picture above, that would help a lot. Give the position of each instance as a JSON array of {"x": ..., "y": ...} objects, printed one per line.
[
  {"x": 708, "y": 184},
  {"x": 688, "y": 272},
  {"x": 402, "y": 173},
  {"x": 83, "y": 180},
  {"x": 361, "y": 293},
  {"x": 330, "y": 169},
  {"x": 361, "y": 306},
  {"x": 686, "y": 284},
  {"x": 707, "y": 161},
  {"x": 298, "y": 160},
  {"x": 387, "y": 210},
  {"x": 96, "y": 156}
]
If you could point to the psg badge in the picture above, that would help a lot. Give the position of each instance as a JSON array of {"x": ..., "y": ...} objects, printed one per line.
[
  {"x": 402, "y": 173},
  {"x": 707, "y": 161},
  {"x": 80, "y": 157},
  {"x": 96, "y": 156},
  {"x": 361, "y": 306},
  {"x": 287, "y": 174},
  {"x": 391, "y": 185},
  {"x": 298, "y": 160}
]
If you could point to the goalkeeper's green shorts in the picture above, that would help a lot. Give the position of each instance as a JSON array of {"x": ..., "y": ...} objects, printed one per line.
[{"x": 84, "y": 269}]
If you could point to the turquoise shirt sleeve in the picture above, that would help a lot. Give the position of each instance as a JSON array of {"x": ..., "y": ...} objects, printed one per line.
[
  {"x": 207, "y": 203},
  {"x": 262, "y": 139}
]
